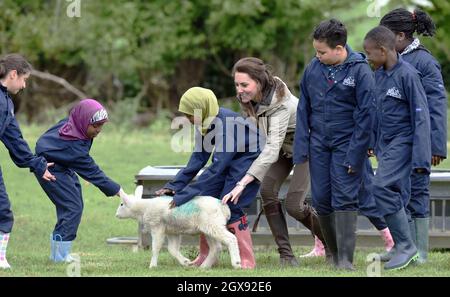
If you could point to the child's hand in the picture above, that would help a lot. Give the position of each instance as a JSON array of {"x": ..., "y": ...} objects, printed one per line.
[
  {"x": 122, "y": 194},
  {"x": 436, "y": 160},
  {"x": 164, "y": 191},
  {"x": 370, "y": 153},
  {"x": 47, "y": 175}
]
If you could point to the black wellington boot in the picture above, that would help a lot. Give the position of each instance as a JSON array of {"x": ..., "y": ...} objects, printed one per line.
[
  {"x": 346, "y": 238},
  {"x": 405, "y": 249},
  {"x": 327, "y": 225}
]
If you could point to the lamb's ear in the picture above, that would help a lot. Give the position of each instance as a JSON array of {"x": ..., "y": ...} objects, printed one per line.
[
  {"x": 127, "y": 200},
  {"x": 138, "y": 192}
]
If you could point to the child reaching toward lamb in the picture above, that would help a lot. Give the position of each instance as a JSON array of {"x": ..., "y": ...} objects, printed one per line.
[{"x": 67, "y": 145}]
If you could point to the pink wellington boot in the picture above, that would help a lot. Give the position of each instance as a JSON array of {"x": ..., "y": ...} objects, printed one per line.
[
  {"x": 204, "y": 250},
  {"x": 387, "y": 238},
  {"x": 318, "y": 250},
  {"x": 242, "y": 232}
]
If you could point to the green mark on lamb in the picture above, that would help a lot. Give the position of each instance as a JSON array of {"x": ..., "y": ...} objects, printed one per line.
[{"x": 188, "y": 209}]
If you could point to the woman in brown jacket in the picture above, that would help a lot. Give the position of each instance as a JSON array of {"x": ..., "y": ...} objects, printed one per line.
[{"x": 267, "y": 99}]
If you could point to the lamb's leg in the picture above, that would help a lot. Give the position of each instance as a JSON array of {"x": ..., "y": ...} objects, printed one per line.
[
  {"x": 221, "y": 234},
  {"x": 212, "y": 254},
  {"x": 158, "y": 236},
  {"x": 174, "y": 243}
]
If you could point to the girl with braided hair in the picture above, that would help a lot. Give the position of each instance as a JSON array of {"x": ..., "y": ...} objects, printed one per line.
[{"x": 404, "y": 24}]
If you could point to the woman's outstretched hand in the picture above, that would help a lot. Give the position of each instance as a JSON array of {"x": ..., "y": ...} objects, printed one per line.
[{"x": 234, "y": 195}]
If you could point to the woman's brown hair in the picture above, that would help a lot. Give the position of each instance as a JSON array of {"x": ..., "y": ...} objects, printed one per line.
[
  {"x": 259, "y": 72},
  {"x": 14, "y": 62}
]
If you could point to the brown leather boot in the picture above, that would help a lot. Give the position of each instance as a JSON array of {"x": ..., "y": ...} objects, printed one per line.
[{"x": 278, "y": 226}]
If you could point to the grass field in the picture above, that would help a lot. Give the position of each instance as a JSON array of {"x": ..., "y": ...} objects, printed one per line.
[{"x": 121, "y": 155}]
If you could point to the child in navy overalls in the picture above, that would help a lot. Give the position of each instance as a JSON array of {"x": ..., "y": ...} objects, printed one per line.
[
  {"x": 404, "y": 23},
  {"x": 402, "y": 138},
  {"x": 234, "y": 140},
  {"x": 67, "y": 144},
  {"x": 333, "y": 133},
  {"x": 14, "y": 71}
]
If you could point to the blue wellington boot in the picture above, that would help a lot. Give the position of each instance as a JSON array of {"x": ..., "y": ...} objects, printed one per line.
[
  {"x": 60, "y": 250},
  {"x": 405, "y": 249}
]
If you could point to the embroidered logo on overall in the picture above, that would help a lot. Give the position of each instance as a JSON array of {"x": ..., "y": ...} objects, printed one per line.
[
  {"x": 349, "y": 81},
  {"x": 394, "y": 92}
]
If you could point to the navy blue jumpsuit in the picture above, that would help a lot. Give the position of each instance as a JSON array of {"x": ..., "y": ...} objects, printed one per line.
[
  {"x": 403, "y": 134},
  {"x": 71, "y": 157},
  {"x": 333, "y": 130},
  {"x": 20, "y": 153},
  {"x": 233, "y": 154},
  {"x": 433, "y": 85}
]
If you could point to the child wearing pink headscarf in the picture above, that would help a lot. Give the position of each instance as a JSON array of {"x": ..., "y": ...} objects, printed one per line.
[{"x": 67, "y": 145}]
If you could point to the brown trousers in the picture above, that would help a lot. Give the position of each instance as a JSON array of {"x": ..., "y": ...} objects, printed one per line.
[{"x": 298, "y": 187}]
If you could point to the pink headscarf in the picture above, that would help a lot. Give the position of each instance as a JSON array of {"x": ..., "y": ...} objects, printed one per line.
[{"x": 88, "y": 111}]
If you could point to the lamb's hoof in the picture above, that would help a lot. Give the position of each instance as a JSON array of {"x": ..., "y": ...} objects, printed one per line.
[
  {"x": 236, "y": 265},
  {"x": 152, "y": 266},
  {"x": 205, "y": 266},
  {"x": 186, "y": 263}
]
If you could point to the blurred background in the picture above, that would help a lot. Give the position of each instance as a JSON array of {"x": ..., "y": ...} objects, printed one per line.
[{"x": 138, "y": 57}]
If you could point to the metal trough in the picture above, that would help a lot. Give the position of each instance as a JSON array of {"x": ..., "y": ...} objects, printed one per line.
[{"x": 153, "y": 178}]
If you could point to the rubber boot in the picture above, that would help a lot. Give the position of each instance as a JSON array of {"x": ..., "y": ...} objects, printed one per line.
[
  {"x": 387, "y": 239},
  {"x": 278, "y": 226},
  {"x": 327, "y": 226},
  {"x": 204, "y": 250},
  {"x": 405, "y": 250},
  {"x": 385, "y": 257},
  {"x": 345, "y": 238},
  {"x": 4, "y": 238},
  {"x": 318, "y": 250},
  {"x": 242, "y": 232},
  {"x": 422, "y": 242},
  {"x": 60, "y": 250}
]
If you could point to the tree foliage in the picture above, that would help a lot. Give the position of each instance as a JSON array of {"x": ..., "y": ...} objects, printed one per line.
[{"x": 150, "y": 52}]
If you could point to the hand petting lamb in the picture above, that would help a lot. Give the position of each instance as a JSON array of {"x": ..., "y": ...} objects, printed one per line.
[{"x": 203, "y": 214}]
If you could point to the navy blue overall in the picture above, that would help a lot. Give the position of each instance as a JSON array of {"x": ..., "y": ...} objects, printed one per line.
[
  {"x": 366, "y": 202},
  {"x": 333, "y": 130},
  {"x": 403, "y": 135},
  {"x": 234, "y": 153},
  {"x": 432, "y": 82},
  {"x": 20, "y": 153},
  {"x": 71, "y": 157}
]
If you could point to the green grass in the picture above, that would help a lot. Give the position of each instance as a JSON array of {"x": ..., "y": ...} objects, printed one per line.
[{"x": 121, "y": 155}]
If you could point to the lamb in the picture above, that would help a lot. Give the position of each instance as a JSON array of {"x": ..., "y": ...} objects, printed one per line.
[{"x": 203, "y": 214}]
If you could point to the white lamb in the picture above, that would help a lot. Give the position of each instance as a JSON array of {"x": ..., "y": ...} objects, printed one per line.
[{"x": 203, "y": 214}]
